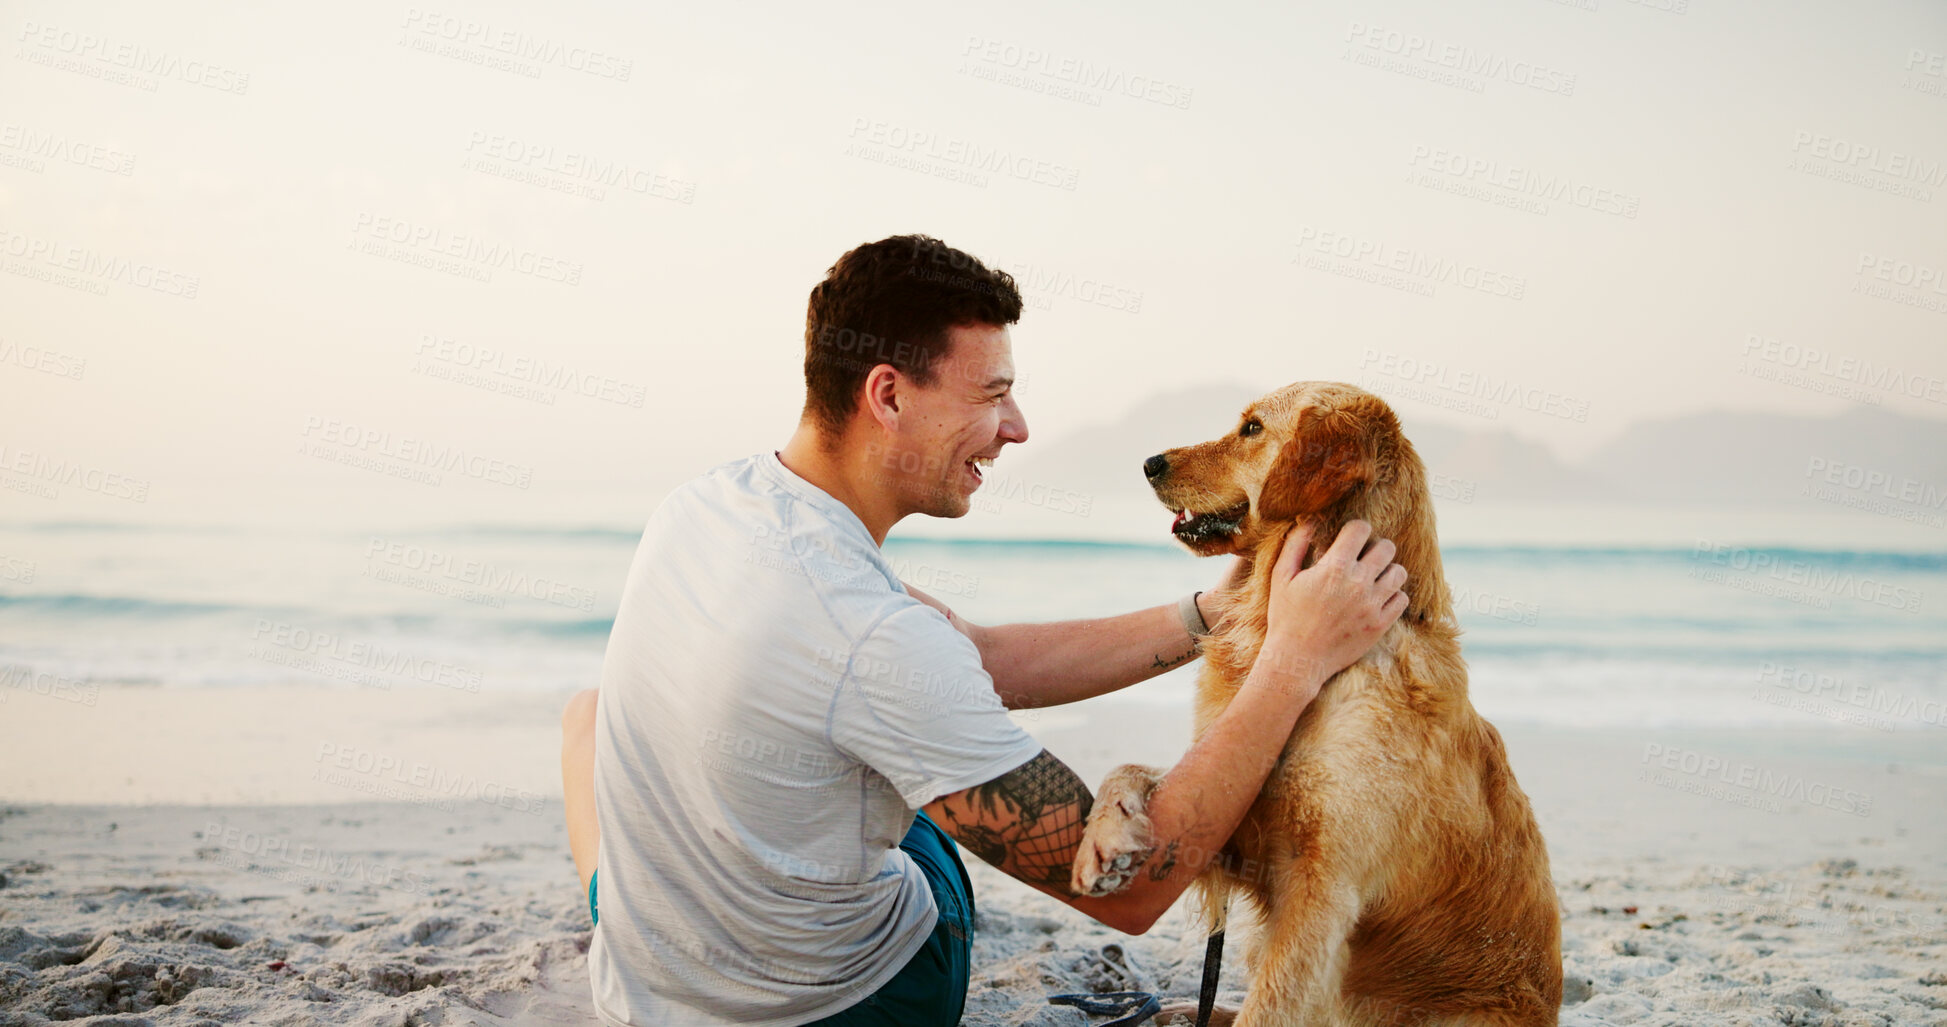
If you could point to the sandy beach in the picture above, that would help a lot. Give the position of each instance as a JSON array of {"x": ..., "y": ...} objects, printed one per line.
[{"x": 309, "y": 855}]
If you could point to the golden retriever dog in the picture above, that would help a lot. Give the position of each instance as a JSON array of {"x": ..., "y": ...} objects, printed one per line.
[{"x": 1393, "y": 865}]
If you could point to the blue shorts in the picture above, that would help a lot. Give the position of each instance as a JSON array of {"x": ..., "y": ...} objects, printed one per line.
[{"x": 931, "y": 989}]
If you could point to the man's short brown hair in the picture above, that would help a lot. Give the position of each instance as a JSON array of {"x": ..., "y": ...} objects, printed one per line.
[{"x": 892, "y": 302}]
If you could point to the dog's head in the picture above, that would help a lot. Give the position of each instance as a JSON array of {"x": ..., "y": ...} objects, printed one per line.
[{"x": 1321, "y": 453}]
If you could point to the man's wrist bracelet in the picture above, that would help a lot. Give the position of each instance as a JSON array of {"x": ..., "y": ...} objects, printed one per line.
[{"x": 1192, "y": 617}]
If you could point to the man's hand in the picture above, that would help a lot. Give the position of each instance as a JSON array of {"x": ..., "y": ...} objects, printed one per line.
[{"x": 1324, "y": 618}]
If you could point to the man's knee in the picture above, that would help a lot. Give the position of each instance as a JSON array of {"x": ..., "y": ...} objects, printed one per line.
[{"x": 579, "y": 715}]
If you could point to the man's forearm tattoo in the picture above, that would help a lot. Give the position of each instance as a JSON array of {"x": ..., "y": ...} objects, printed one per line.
[
  {"x": 1160, "y": 663},
  {"x": 984, "y": 841},
  {"x": 1033, "y": 815},
  {"x": 1031, "y": 789},
  {"x": 1160, "y": 868}
]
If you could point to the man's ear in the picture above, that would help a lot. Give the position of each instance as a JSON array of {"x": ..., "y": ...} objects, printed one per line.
[
  {"x": 880, "y": 396},
  {"x": 1324, "y": 462}
]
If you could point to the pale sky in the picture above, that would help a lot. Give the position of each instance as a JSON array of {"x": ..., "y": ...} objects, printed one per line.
[{"x": 1693, "y": 178}]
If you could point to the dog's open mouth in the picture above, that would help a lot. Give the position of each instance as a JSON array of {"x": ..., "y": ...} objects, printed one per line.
[{"x": 1208, "y": 527}]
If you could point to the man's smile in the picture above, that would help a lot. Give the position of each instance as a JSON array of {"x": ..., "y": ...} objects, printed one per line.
[{"x": 974, "y": 464}]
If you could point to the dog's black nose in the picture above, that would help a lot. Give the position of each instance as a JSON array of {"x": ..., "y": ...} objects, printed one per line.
[{"x": 1154, "y": 467}]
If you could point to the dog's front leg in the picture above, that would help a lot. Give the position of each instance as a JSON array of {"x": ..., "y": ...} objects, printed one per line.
[
  {"x": 1118, "y": 839},
  {"x": 1301, "y": 962}
]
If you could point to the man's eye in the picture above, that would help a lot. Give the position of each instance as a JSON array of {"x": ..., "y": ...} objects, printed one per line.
[{"x": 1250, "y": 428}]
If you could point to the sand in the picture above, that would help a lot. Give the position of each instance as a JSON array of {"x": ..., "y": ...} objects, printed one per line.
[{"x": 203, "y": 856}]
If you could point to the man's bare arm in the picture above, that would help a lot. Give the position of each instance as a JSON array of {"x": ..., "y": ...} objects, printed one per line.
[{"x": 1035, "y": 665}]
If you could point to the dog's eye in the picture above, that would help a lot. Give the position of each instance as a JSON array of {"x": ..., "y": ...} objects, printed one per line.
[{"x": 1250, "y": 428}]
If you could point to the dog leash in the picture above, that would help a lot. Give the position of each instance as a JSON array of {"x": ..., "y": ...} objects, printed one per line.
[
  {"x": 1141, "y": 1005},
  {"x": 1213, "y": 965},
  {"x": 1129, "y": 1007}
]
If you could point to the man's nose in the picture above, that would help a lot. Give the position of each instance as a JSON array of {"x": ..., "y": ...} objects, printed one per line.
[
  {"x": 1155, "y": 466},
  {"x": 1014, "y": 426}
]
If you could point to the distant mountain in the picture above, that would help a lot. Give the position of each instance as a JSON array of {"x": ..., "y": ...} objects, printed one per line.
[
  {"x": 1738, "y": 458},
  {"x": 1716, "y": 458},
  {"x": 1492, "y": 465}
]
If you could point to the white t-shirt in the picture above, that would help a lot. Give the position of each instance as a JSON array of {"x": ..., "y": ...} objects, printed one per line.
[{"x": 774, "y": 707}]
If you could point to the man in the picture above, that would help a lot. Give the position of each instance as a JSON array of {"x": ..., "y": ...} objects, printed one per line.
[{"x": 761, "y": 794}]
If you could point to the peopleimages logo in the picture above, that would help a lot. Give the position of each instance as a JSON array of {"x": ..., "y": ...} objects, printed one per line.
[
  {"x": 249, "y": 850},
  {"x": 418, "y": 564},
  {"x": 40, "y": 146},
  {"x": 1706, "y": 774},
  {"x": 1405, "y": 267},
  {"x": 1454, "y": 64},
  {"x": 416, "y": 781},
  {"x": 1857, "y": 163},
  {"x": 1907, "y": 282},
  {"x": 997, "y": 489},
  {"x": 880, "y": 141},
  {"x": 456, "y": 253},
  {"x": 1081, "y": 74},
  {"x": 1524, "y": 182},
  {"x": 1475, "y": 385},
  {"x": 25, "y": 470},
  {"x": 536, "y": 163},
  {"x": 374, "y": 663},
  {"x": 1795, "y": 579},
  {"x": 1869, "y": 479},
  {"x": 42, "y": 359},
  {"x": 86, "y": 53},
  {"x": 1043, "y": 281},
  {"x": 1837, "y": 372},
  {"x": 426, "y": 29},
  {"x": 1872, "y": 702},
  {"x": 40, "y": 682},
  {"x": 1875, "y": 491},
  {"x": 520, "y": 375},
  {"x": 339, "y": 439},
  {"x": 91, "y": 269}
]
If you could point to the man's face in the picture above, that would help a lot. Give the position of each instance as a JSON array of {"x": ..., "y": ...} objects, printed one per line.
[{"x": 949, "y": 429}]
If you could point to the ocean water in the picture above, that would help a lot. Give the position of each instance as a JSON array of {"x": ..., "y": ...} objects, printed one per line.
[{"x": 1697, "y": 635}]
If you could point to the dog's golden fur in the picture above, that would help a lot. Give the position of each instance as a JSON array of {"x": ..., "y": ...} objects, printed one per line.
[{"x": 1395, "y": 867}]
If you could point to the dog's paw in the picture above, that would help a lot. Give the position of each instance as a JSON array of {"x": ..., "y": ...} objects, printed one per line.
[{"x": 1116, "y": 844}]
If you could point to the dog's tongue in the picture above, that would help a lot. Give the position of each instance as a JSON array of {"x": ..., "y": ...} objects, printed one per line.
[{"x": 1182, "y": 518}]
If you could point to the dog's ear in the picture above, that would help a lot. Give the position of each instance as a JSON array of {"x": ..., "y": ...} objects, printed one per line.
[{"x": 1328, "y": 457}]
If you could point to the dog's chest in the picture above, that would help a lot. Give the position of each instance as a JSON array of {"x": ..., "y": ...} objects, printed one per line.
[{"x": 1293, "y": 810}]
